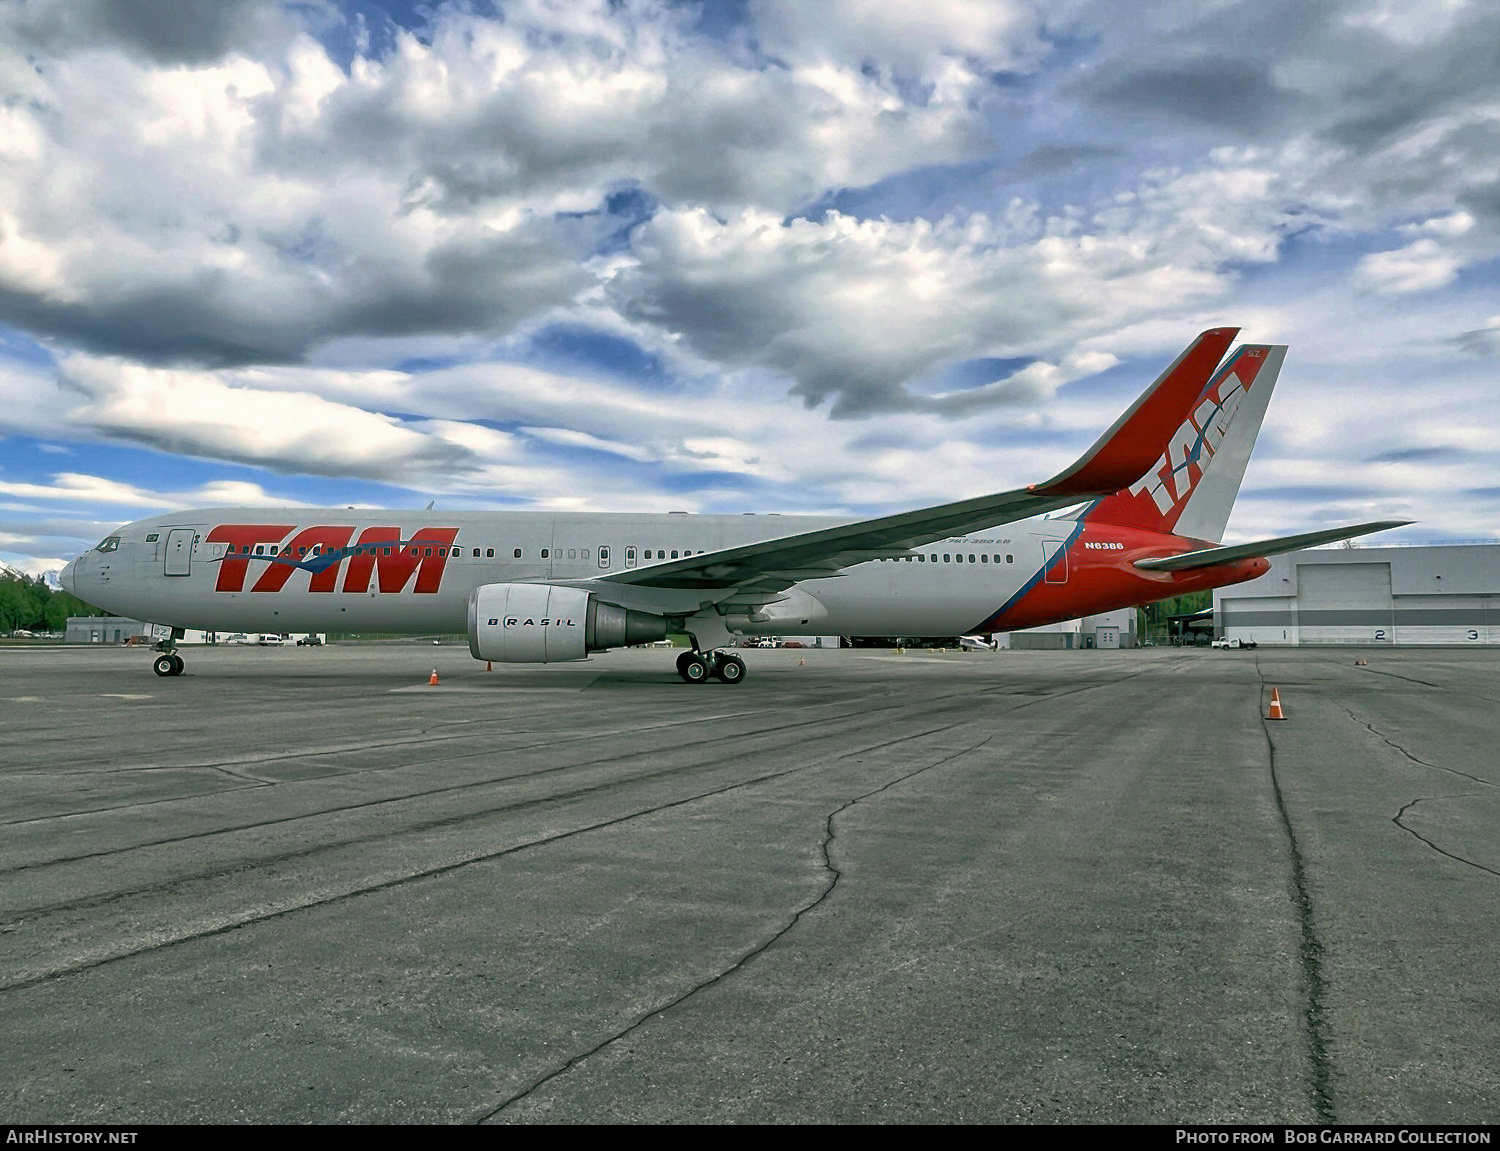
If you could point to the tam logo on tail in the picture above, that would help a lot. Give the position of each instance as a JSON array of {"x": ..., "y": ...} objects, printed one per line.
[{"x": 1156, "y": 501}]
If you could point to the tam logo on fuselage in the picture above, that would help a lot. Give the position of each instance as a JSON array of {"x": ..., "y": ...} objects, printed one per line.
[{"x": 322, "y": 551}]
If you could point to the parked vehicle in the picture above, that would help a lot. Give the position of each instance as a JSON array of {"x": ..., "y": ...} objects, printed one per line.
[
  {"x": 1230, "y": 644},
  {"x": 310, "y": 641},
  {"x": 269, "y": 639}
]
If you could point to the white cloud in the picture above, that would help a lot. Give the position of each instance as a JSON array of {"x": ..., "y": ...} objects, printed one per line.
[
  {"x": 195, "y": 413},
  {"x": 852, "y": 309},
  {"x": 1419, "y": 267},
  {"x": 920, "y": 40},
  {"x": 76, "y": 487},
  {"x": 252, "y": 205}
]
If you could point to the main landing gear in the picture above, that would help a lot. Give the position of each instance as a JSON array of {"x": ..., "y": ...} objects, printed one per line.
[{"x": 696, "y": 667}]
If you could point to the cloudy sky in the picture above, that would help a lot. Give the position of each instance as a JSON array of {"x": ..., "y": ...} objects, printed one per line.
[{"x": 733, "y": 255}]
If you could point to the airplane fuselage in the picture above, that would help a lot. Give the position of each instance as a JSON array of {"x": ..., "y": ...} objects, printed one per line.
[{"x": 321, "y": 569}]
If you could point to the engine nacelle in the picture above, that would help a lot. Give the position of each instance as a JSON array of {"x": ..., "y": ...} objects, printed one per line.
[{"x": 540, "y": 623}]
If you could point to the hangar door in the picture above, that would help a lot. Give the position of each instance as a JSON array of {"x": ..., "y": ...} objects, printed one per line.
[{"x": 1344, "y": 603}]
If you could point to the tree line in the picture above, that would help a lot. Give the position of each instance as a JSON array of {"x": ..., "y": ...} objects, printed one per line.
[{"x": 27, "y": 603}]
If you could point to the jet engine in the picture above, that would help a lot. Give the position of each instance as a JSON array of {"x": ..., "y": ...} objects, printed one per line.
[{"x": 541, "y": 623}]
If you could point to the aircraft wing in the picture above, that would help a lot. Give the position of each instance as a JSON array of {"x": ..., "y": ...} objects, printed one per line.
[
  {"x": 1208, "y": 557},
  {"x": 1116, "y": 460}
]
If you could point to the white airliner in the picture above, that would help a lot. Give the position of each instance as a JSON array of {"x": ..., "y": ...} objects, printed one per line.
[{"x": 1150, "y": 499}]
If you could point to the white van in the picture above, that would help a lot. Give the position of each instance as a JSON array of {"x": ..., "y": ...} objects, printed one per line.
[{"x": 269, "y": 640}]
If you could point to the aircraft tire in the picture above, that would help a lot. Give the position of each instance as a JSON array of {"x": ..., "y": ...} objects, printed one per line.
[
  {"x": 177, "y": 664},
  {"x": 693, "y": 669},
  {"x": 730, "y": 668},
  {"x": 165, "y": 665},
  {"x": 683, "y": 658}
]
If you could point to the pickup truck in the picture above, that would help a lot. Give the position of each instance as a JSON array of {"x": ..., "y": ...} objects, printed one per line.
[{"x": 1233, "y": 643}]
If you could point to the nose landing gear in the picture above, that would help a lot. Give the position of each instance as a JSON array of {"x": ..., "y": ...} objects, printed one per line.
[
  {"x": 167, "y": 661},
  {"x": 696, "y": 667}
]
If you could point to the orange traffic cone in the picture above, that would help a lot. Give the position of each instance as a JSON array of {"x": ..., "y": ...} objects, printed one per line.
[
  {"x": 1276, "y": 712},
  {"x": 433, "y": 679}
]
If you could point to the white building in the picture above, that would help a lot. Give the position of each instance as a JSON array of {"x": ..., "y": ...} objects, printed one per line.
[
  {"x": 1432, "y": 594},
  {"x": 101, "y": 629},
  {"x": 1108, "y": 630},
  {"x": 118, "y": 629}
]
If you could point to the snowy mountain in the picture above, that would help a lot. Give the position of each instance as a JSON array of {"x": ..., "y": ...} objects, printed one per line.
[{"x": 8, "y": 571}]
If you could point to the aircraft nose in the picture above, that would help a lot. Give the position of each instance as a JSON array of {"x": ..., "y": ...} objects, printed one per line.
[{"x": 65, "y": 577}]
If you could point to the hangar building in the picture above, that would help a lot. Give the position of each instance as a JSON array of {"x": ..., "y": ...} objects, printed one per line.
[{"x": 1428, "y": 594}]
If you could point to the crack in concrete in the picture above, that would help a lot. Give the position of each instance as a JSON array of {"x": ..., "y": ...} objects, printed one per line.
[
  {"x": 1427, "y": 683},
  {"x": 1310, "y": 951},
  {"x": 1396, "y": 819},
  {"x": 835, "y": 873},
  {"x": 1389, "y": 742}
]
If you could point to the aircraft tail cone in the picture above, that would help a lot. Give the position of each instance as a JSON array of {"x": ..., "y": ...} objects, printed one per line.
[
  {"x": 432, "y": 680},
  {"x": 1276, "y": 712}
]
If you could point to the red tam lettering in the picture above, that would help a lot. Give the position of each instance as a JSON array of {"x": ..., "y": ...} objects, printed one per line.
[
  {"x": 382, "y": 551},
  {"x": 241, "y": 539},
  {"x": 327, "y": 537}
]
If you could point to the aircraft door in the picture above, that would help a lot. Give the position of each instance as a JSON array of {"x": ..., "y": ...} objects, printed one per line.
[
  {"x": 1056, "y": 564},
  {"x": 179, "y": 552}
]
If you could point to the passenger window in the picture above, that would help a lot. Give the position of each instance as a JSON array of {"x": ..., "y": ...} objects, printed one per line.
[
  {"x": 427, "y": 552},
  {"x": 387, "y": 551},
  {"x": 922, "y": 559},
  {"x": 674, "y": 553},
  {"x": 544, "y": 553},
  {"x": 947, "y": 558},
  {"x": 1010, "y": 559},
  {"x": 489, "y": 553},
  {"x": 476, "y": 554},
  {"x": 572, "y": 553},
  {"x": 584, "y": 552},
  {"x": 984, "y": 559}
]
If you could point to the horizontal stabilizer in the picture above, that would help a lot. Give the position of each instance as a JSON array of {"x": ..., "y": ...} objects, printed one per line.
[{"x": 1208, "y": 557}]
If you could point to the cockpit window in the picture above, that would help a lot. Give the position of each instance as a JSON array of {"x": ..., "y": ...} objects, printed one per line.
[{"x": 108, "y": 544}]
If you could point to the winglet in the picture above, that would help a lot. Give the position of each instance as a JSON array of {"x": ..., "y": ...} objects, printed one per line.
[{"x": 1135, "y": 441}]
